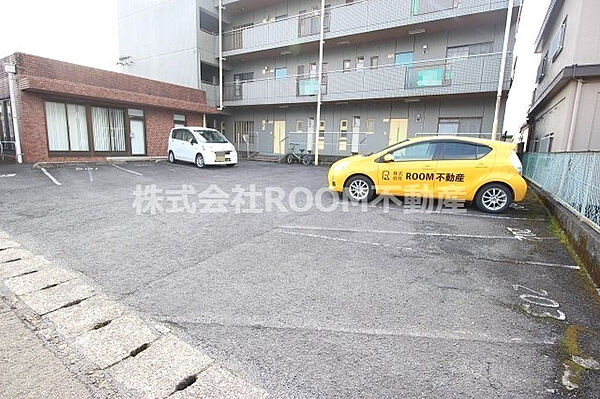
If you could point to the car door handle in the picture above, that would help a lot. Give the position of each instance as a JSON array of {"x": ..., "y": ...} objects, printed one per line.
[{"x": 481, "y": 165}]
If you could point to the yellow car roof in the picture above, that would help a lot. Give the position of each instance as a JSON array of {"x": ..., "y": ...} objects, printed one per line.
[{"x": 491, "y": 143}]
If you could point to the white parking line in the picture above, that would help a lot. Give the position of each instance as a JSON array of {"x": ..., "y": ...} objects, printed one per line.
[
  {"x": 128, "y": 171},
  {"x": 477, "y": 258},
  {"x": 90, "y": 175},
  {"x": 412, "y": 233},
  {"x": 9, "y": 175},
  {"x": 44, "y": 171}
]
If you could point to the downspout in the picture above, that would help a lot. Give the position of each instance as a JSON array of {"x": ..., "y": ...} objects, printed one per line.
[
  {"x": 11, "y": 70},
  {"x": 220, "y": 55},
  {"x": 576, "y": 101},
  {"x": 509, "y": 13},
  {"x": 320, "y": 80}
]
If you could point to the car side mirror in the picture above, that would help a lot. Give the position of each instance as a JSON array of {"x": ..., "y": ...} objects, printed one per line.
[
  {"x": 194, "y": 141},
  {"x": 388, "y": 158}
]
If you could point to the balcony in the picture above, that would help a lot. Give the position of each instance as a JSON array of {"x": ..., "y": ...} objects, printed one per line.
[
  {"x": 460, "y": 75},
  {"x": 349, "y": 19}
]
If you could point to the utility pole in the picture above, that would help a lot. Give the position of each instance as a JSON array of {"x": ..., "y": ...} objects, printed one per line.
[
  {"x": 502, "y": 68},
  {"x": 320, "y": 80},
  {"x": 220, "y": 55}
]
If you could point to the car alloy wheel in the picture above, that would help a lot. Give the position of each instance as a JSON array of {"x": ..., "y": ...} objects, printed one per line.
[
  {"x": 494, "y": 199},
  {"x": 359, "y": 189}
]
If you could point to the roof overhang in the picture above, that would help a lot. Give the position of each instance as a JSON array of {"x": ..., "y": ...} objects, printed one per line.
[
  {"x": 63, "y": 88},
  {"x": 567, "y": 74}
]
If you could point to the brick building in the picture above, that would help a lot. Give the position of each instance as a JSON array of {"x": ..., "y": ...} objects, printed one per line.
[{"x": 71, "y": 112}]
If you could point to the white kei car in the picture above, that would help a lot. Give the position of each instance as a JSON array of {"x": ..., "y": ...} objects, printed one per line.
[{"x": 200, "y": 145}]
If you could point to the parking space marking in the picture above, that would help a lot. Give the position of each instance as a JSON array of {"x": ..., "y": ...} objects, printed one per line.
[
  {"x": 128, "y": 171},
  {"x": 412, "y": 233},
  {"x": 44, "y": 171},
  {"x": 90, "y": 175},
  {"x": 477, "y": 258},
  {"x": 9, "y": 175}
]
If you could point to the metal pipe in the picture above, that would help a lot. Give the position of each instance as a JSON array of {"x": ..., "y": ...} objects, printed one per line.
[
  {"x": 509, "y": 13},
  {"x": 220, "y": 55},
  {"x": 576, "y": 102},
  {"x": 11, "y": 71},
  {"x": 320, "y": 80}
]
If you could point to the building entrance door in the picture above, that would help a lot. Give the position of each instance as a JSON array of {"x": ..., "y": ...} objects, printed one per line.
[
  {"x": 138, "y": 139},
  {"x": 355, "y": 134},
  {"x": 279, "y": 137},
  {"x": 398, "y": 130}
]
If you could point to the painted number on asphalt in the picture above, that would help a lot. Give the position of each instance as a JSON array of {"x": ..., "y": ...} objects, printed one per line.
[
  {"x": 539, "y": 299},
  {"x": 523, "y": 234}
]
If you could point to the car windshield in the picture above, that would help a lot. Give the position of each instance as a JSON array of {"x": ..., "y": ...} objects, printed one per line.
[
  {"x": 387, "y": 148},
  {"x": 211, "y": 136}
]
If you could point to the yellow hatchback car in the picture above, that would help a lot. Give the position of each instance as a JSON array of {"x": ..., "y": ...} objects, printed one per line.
[{"x": 483, "y": 171}]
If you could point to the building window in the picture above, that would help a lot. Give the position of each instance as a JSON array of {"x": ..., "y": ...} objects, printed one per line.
[
  {"x": 470, "y": 49},
  {"x": 459, "y": 125},
  {"x": 209, "y": 23},
  {"x": 280, "y": 73},
  {"x": 178, "y": 120},
  {"x": 6, "y": 124},
  {"x": 541, "y": 71},
  {"x": 545, "y": 144},
  {"x": 360, "y": 62},
  {"x": 370, "y": 126},
  {"x": 426, "y": 6},
  {"x": 243, "y": 131},
  {"x": 404, "y": 58},
  {"x": 298, "y": 125},
  {"x": 108, "y": 126},
  {"x": 558, "y": 40},
  {"x": 67, "y": 127},
  {"x": 346, "y": 65},
  {"x": 375, "y": 62}
]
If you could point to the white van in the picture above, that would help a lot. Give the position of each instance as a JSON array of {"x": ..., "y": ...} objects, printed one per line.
[{"x": 200, "y": 145}]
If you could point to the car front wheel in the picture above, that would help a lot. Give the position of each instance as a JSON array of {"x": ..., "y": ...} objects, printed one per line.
[
  {"x": 199, "y": 161},
  {"x": 360, "y": 188},
  {"x": 494, "y": 198},
  {"x": 171, "y": 157}
]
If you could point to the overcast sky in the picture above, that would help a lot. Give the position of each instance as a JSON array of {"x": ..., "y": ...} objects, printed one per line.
[{"x": 85, "y": 32}]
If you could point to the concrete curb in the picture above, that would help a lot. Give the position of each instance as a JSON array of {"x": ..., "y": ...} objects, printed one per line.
[
  {"x": 584, "y": 239},
  {"x": 128, "y": 353}
]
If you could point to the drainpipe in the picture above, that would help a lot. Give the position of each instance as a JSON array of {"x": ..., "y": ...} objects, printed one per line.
[
  {"x": 502, "y": 68},
  {"x": 320, "y": 80},
  {"x": 576, "y": 102},
  {"x": 220, "y": 55},
  {"x": 11, "y": 70}
]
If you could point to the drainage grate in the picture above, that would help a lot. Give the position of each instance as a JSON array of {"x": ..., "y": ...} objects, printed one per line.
[{"x": 187, "y": 381}]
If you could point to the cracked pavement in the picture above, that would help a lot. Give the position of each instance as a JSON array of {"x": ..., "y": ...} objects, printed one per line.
[{"x": 314, "y": 304}]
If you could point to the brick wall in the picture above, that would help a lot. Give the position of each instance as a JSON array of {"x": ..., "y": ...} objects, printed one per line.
[{"x": 52, "y": 69}]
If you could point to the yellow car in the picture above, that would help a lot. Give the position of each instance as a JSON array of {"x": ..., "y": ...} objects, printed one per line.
[{"x": 446, "y": 167}]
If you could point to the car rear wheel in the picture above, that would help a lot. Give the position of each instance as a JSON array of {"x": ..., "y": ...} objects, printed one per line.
[
  {"x": 171, "y": 157},
  {"x": 359, "y": 189},
  {"x": 493, "y": 198},
  {"x": 199, "y": 161}
]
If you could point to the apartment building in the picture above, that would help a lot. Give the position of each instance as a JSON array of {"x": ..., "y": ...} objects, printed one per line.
[
  {"x": 565, "y": 114},
  {"x": 391, "y": 69}
]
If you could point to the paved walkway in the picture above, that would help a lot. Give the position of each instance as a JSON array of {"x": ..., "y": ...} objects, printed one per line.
[{"x": 28, "y": 368}]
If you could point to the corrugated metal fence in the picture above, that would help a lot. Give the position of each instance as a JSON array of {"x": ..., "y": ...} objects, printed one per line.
[{"x": 572, "y": 178}]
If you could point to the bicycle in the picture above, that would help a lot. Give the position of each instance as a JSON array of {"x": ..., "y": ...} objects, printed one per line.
[{"x": 298, "y": 155}]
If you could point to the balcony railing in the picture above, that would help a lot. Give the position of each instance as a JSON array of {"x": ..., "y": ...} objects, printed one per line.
[
  {"x": 357, "y": 17},
  {"x": 460, "y": 75}
]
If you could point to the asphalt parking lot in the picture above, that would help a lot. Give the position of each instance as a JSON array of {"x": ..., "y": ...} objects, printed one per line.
[{"x": 322, "y": 303}]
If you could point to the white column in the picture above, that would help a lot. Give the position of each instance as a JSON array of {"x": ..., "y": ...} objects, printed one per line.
[
  {"x": 509, "y": 13},
  {"x": 12, "y": 81},
  {"x": 220, "y": 55},
  {"x": 320, "y": 80}
]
